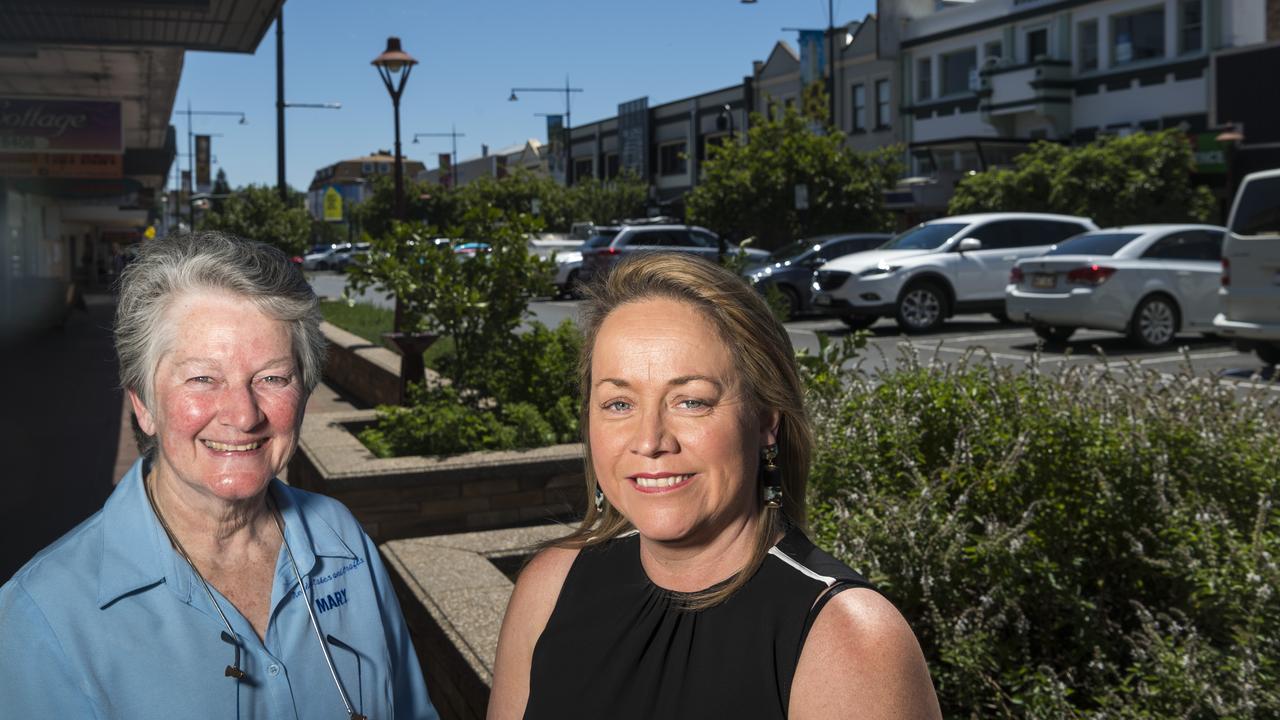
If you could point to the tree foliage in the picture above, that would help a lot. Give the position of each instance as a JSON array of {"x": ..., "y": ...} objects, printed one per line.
[
  {"x": 423, "y": 203},
  {"x": 608, "y": 201},
  {"x": 1141, "y": 178},
  {"x": 749, "y": 188},
  {"x": 256, "y": 212}
]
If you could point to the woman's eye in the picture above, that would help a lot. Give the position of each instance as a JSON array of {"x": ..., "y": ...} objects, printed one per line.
[
  {"x": 692, "y": 404},
  {"x": 201, "y": 380},
  {"x": 617, "y": 406},
  {"x": 277, "y": 380}
]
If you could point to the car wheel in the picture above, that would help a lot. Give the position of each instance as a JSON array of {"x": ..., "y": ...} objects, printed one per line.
[
  {"x": 1155, "y": 322},
  {"x": 793, "y": 300},
  {"x": 921, "y": 307},
  {"x": 322, "y": 266},
  {"x": 859, "y": 322},
  {"x": 571, "y": 287},
  {"x": 1054, "y": 335},
  {"x": 1268, "y": 353}
]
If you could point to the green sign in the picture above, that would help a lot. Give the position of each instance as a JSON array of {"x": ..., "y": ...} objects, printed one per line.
[{"x": 1211, "y": 157}]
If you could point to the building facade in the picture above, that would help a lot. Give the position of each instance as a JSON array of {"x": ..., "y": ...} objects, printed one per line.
[
  {"x": 495, "y": 164},
  {"x": 352, "y": 180}
]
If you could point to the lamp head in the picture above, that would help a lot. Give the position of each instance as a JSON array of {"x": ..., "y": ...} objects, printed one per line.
[
  {"x": 513, "y": 97},
  {"x": 394, "y": 59}
]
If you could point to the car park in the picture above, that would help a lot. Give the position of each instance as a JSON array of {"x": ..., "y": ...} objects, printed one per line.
[
  {"x": 330, "y": 258},
  {"x": 1250, "y": 284},
  {"x": 1148, "y": 281},
  {"x": 356, "y": 253},
  {"x": 938, "y": 268},
  {"x": 603, "y": 249},
  {"x": 790, "y": 268}
]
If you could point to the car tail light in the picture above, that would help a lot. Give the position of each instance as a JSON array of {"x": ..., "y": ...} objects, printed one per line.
[
  {"x": 612, "y": 251},
  {"x": 1015, "y": 276},
  {"x": 1226, "y": 272},
  {"x": 830, "y": 279},
  {"x": 1090, "y": 275}
]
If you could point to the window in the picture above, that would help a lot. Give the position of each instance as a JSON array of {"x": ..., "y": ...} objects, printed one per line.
[
  {"x": 1256, "y": 211},
  {"x": 924, "y": 83},
  {"x": 1037, "y": 44},
  {"x": 956, "y": 67},
  {"x": 1093, "y": 244},
  {"x": 883, "y": 119},
  {"x": 859, "y": 108},
  {"x": 993, "y": 49},
  {"x": 1089, "y": 45},
  {"x": 1190, "y": 26},
  {"x": 1188, "y": 245},
  {"x": 611, "y": 165},
  {"x": 701, "y": 238},
  {"x": 1138, "y": 36},
  {"x": 671, "y": 159},
  {"x": 582, "y": 169}
]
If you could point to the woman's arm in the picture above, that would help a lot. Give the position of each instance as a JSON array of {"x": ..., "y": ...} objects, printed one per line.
[
  {"x": 862, "y": 660},
  {"x": 527, "y": 613}
]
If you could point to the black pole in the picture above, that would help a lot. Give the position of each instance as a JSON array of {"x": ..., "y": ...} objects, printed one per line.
[
  {"x": 399, "y": 169},
  {"x": 568, "y": 135},
  {"x": 191, "y": 174},
  {"x": 281, "y": 186},
  {"x": 831, "y": 62}
]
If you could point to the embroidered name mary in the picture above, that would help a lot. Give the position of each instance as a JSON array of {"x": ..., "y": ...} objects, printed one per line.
[{"x": 333, "y": 600}]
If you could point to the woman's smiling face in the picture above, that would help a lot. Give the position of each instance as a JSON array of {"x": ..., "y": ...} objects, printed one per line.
[
  {"x": 674, "y": 445},
  {"x": 227, "y": 399}
]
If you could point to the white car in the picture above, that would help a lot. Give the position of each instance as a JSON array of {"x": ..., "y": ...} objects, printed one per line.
[
  {"x": 1251, "y": 268},
  {"x": 1149, "y": 281},
  {"x": 568, "y": 267},
  {"x": 938, "y": 268},
  {"x": 331, "y": 258}
]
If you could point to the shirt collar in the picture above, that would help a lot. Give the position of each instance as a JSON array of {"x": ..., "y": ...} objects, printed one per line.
[{"x": 310, "y": 536}]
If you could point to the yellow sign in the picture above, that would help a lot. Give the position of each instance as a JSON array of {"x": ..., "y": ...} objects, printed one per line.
[
  {"x": 150, "y": 232},
  {"x": 332, "y": 205}
]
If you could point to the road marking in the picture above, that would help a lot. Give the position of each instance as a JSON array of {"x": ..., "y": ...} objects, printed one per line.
[
  {"x": 996, "y": 355},
  {"x": 990, "y": 336},
  {"x": 1177, "y": 358}
]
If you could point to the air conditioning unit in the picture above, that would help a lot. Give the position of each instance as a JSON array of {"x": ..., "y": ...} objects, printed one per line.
[{"x": 975, "y": 80}]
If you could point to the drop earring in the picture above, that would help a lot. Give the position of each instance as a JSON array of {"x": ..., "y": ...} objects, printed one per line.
[
  {"x": 772, "y": 477},
  {"x": 599, "y": 499}
]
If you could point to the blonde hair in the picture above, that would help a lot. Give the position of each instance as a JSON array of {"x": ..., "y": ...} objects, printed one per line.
[{"x": 764, "y": 359}]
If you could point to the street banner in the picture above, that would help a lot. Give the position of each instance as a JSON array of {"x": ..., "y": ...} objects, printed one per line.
[
  {"x": 204, "y": 182},
  {"x": 46, "y": 125},
  {"x": 813, "y": 53},
  {"x": 445, "y": 162},
  {"x": 332, "y": 205},
  {"x": 633, "y": 136},
  {"x": 557, "y": 155}
]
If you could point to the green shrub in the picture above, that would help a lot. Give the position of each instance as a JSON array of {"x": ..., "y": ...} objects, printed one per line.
[{"x": 1084, "y": 544}]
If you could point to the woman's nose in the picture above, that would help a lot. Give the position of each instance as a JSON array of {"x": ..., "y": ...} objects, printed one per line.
[
  {"x": 240, "y": 408},
  {"x": 652, "y": 436}
]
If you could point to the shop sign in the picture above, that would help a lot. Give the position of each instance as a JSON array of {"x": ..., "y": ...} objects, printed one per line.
[
  {"x": 332, "y": 204},
  {"x": 44, "y": 125},
  {"x": 45, "y": 165},
  {"x": 1210, "y": 156}
]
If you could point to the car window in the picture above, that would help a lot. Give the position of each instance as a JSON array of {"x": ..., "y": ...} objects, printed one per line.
[
  {"x": 1258, "y": 211},
  {"x": 703, "y": 239},
  {"x": 1037, "y": 233},
  {"x": 1093, "y": 244},
  {"x": 996, "y": 235},
  {"x": 925, "y": 237},
  {"x": 1187, "y": 245},
  {"x": 601, "y": 239}
]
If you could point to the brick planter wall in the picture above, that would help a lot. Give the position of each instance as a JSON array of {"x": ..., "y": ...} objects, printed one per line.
[
  {"x": 413, "y": 496},
  {"x": 364, "y": 370}
]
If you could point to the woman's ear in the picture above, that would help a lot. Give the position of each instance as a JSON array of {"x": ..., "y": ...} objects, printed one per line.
[
  {"x": 769, "y": 422},
  {"x": 140, "y": 411}
]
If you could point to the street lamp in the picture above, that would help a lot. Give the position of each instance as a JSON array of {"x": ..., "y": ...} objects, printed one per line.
[
  {"x": 191, "y": 152},
  {"x": 281, "y": 186},
  {"x": 568, "y": 121},
  {"x": 831, "y": 57},
  {"x": 394, "y": 66},
  {"x": 453, "y": 158}
]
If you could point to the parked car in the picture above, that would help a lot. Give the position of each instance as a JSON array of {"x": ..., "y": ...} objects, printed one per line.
[
  {"x": 790, "y": 268},
  {"x": 468, "y": 250},
  {"x": 1149, "y": 281},
  {"x": 603, "y": 249},
  {"x": 938, "y": 268},
  {"x": 1250, "y": 291},
  {"x": 355, "y": 253},
  {"x": 330, "y": 258}
]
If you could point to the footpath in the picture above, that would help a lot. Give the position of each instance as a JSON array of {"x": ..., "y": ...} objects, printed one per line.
[{"x": 66, "y": 429}]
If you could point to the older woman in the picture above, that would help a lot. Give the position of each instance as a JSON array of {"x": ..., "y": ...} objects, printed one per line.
[
  {"x": 205, "y": 587},
  {"x": 690, "y": 590}
]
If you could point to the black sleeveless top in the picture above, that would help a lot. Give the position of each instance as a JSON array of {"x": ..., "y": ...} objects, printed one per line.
[{"x": 617, "y": 646}]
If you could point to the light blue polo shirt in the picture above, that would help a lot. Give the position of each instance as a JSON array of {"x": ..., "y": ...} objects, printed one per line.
[{"x": 110, "y": 622}]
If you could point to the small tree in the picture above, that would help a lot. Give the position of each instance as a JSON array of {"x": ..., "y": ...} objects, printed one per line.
[
  {"x": 424, "y": 202},
  {"x": 478, "y": 302},
  {"x": 1141, "y": 178},
  {"x": 750, "y": 188},
  {"x": 257, "y": 213},
  {"x": 221, "y": 189},
  {"x": 515, "y": 195},
  {"x": 605, "y": 201}
]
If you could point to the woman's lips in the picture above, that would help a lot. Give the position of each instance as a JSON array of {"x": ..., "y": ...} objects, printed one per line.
[
  {"x": 660, "y": 482},
  {"x": 233, "y": 448}
]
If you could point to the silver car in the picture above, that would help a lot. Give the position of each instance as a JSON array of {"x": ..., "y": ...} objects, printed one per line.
[{"x": 1148, "y": 281}]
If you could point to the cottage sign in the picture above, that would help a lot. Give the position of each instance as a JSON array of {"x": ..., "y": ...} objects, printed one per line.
[{"x": 45, "y": 125}]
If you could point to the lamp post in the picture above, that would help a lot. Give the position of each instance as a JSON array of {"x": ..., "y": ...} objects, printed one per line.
[
  {"x": 568, "y": 121},
  {"x": 453, "y": 158},
  {"x": 831, "y": 57},
  {"x": 1229, "y": 138},
  {"x": 393, "y": 67},
  {"x": 281, "y": 184},
  {"x": 191, "y": 208}
]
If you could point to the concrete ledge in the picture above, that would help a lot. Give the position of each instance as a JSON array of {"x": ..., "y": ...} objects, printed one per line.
[
  {"x": 454, "y": 597},
  {"x": 416, "y": 495},
  {"x": 366, "y": 371}
]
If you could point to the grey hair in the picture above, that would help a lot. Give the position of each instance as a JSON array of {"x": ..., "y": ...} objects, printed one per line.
[{"x": 168, "y": 268}]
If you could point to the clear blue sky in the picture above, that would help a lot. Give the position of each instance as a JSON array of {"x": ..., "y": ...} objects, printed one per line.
[{"x": 471, "y": 53}]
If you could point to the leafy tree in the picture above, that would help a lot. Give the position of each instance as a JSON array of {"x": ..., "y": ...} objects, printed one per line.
[
  {"x": 515, "y": 193},
  {"x": 750, "y": 188},
  {"x": 220, "y": 188},
  {"x": 1141, "y": 178},
  {"x": 423, "y": 203},
  {"x": 479, "y": 302},
  {"x": 256, "y": 212},
  {"x": 605, "y": 201}
]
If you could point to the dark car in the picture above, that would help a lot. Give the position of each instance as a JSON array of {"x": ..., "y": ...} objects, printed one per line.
[{"x": 790, "y": 268}]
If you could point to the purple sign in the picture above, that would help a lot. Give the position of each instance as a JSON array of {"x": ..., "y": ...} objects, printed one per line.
[{"x": 46, "y": 125}]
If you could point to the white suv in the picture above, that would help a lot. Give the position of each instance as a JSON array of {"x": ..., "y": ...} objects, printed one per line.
[
  {"x": 938, "y": 268},
  {"x": 1250, "y": 290}
]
